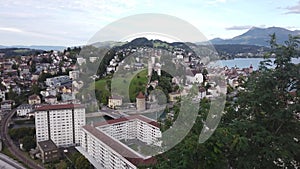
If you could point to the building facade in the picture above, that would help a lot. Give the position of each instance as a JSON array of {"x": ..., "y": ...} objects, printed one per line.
[
  {"x": 24, "y": 109},
  {"x": 114, "y": 101},
  {"x": 7, "y": 105},
  {"x": 58, "y": 81},
  {"x": 101, "y": 142},
  {"x": 60, "y": 123},
  {"x": 140, "y": 102},
  {"x": 49, "y": 151},
  {"x": 34, "y": 99}
]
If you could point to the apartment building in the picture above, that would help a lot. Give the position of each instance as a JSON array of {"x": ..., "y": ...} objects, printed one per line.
[
  {"x": 101, "y": 143},
  {"x": 61, "y": 123}
]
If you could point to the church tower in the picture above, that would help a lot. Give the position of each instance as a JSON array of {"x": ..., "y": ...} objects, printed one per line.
[{"x": 141, "y": 102}]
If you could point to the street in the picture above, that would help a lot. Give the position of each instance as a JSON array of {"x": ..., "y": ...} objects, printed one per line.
[{"x": 11, "y": 146}]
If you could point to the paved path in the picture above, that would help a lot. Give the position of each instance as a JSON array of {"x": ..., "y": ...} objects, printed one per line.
[{"x": 8, "y": 163}]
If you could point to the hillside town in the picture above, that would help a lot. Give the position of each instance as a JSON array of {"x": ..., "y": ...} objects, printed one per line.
[{"x": 43, "y": 87}]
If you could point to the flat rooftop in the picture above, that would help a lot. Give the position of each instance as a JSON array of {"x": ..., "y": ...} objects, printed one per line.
[
  {"x": 121, "y": 148},
  {"x": 59, "y": 106},
  {"x": 47, "y": 145}
]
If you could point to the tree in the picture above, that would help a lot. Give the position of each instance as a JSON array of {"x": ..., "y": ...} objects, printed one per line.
[
  {"x": 28, "y": 143},
  {"x": 82, "y": 163},
  {"x": 265, "y": 128},
  {"x": 33, "y": 66},
  {"x": 260, "y": 130},
  {"x": 35, "y": 89},
  {"x": 11, "y": 95},
  {"x": 63, "y": 165}
]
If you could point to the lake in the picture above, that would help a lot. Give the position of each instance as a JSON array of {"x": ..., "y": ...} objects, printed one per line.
[{"x": 246, "y": 62}]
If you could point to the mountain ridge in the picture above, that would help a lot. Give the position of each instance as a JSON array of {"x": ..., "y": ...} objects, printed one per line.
[
  {"x": 36, "y": 47},
  {"x": 258, "y": 36}
]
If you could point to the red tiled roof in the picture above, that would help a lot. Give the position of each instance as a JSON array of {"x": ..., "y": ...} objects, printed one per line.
[
  {"x": 202, "y": 89},
  {"x": 154, "y": 123},
  {"x": 59, "y": 106},
  {"x": 33, "y": 97},
  {"x": 139, "y": 161},
  {"x": 140, "y": 96}
]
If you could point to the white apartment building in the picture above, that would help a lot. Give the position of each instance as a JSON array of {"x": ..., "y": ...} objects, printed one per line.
[
  {"x": 101, "y": 142},
  {"x": 60, "y": 123}
]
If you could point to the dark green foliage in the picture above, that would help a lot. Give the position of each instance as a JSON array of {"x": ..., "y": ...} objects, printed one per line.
[
  {"x": 12, "y": 52},
  {"x": 82, "y": 163},
  {"x": 260, "y": 130},
  {"x": 19, "y": 133},
  {"x": 28, "y": 143}
]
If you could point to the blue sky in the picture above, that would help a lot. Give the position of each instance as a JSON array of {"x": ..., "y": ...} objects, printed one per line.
[{"x": 74, "y": 22}]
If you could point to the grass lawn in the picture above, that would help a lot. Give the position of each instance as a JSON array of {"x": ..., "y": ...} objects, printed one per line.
[
  {"x": 135, "y": 82},
  {"x": 21, "y": 50},
  {"x": 163, "y": 45},
  {"x": 102, "y": 86},
  {"x": 138, "y": 84}
]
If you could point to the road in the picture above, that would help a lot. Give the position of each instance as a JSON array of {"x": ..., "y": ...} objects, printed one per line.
[
  {"x": 11, "y": 146},
  {"x": 8, "y": 163}
]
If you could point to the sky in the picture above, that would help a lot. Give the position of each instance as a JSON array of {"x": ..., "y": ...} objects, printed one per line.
[{"x": 74, "y": 22}]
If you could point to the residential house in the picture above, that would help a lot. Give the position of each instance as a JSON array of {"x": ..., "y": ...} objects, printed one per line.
[
  {"x": 24, "y": 109},
  {"x": 50, "y": 99},
  {"x": 34, "y": 99},
  {"x": 7, "y": 105},
  {"x": 114, "y": 101}
]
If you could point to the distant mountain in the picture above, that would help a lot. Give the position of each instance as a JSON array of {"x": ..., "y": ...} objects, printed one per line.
[
  {"x": 45, "y": 48},
  {"x": 8, "y": 52},
  {"x": 108, "y": 44},
  {"x": 258, "y": 36}
]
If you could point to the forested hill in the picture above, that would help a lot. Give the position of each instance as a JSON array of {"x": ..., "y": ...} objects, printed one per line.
[
  {"x": 9, "y": 52},
  {"x": 227, "y": 50}
]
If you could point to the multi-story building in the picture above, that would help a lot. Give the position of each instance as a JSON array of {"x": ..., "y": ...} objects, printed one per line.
[
  {"x": 49, "y": 151},
  {"x": 60, "y": 123},
  {"x": 103, "y": 143}
]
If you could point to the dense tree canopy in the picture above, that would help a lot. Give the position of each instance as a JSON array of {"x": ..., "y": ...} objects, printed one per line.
[{"x": 260, "y": 130}]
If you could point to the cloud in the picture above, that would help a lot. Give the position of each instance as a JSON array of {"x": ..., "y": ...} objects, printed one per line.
[
  {"x": 212, "y": 2},
  {"x": 293, "y": 9},
  {"x": 9, "y": 29},
  {"x": 244, "y": 27},
  {"x": 29, "y": 33}
]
